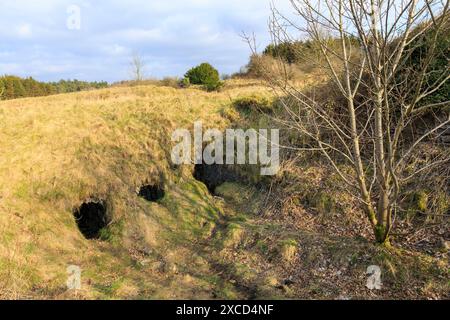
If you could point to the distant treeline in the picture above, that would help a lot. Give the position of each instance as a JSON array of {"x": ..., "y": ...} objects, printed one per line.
[{"x": 12, "y": 87}]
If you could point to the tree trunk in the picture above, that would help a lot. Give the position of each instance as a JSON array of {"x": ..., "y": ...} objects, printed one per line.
[{"x": 383, "y": 226}]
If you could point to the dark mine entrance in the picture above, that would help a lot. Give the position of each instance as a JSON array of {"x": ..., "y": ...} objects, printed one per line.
[
  {"x": 91, "y": 218},
  {"x": 152, "y": 193},
  {"x": 214, "y": 175}
]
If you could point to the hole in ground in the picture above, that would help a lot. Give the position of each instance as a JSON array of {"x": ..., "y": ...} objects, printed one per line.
[
  {"x": 152, "y": 193},
  {"x": 91, "y": 218},
  {"x": 214, "y": 175}
]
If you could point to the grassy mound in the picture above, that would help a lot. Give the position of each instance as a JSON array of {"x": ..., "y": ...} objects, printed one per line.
[
  {"x": 86, "y": 180},
  {"x": 62, "y": 152}
]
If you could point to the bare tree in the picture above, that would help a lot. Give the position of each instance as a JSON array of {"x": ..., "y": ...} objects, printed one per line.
[
  {"x": 366, "y": 48},
  {"x": 137, "y": 67}
]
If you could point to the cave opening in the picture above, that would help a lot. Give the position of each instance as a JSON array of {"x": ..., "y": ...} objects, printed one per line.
[
  {"x": 152, "y": 193},
  {"x": 91, "y": 218}
]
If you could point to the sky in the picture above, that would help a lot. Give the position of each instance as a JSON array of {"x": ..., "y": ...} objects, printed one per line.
[{"x": 95, "y": 40}]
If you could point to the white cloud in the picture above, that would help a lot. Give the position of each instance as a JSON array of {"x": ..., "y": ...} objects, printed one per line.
[
  {"x": 116, "y": 50},
  {"x": 140, "y": 35},
  {"x": 24, "y": 30},
  {"x": 173, "y": 35}
]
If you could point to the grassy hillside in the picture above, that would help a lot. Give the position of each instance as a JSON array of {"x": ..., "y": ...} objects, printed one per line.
[{"x": 62, "y": 151}]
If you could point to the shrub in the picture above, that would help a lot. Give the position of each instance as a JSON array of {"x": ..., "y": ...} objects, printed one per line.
[
  {"x": 421, "y": 48},
  {"x": 288, "y": 51},
  {"x": 267, "y": 67},
  {"x": 170, "y": 82},
  {"x": 293, "y": 52},
  {"x": 205, "y": 75},
  {"x": 185, "y": 83},
  {"x": 212, "y": 85}
]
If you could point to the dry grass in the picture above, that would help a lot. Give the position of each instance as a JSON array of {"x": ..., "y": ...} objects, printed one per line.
[{"x": 59, "y": 151}]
